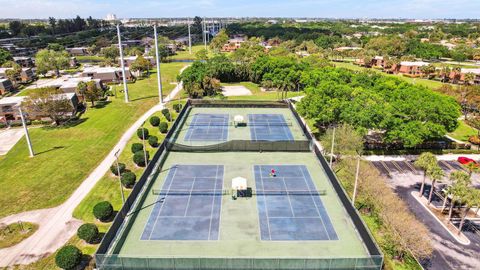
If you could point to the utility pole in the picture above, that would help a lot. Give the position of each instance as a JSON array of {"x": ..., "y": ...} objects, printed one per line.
[
  {"x": 27, "y": 136},
  {"x": 331, "y": 151},
  {"x": 125, "y": 88},
  {"x": 189, "y": 38},
  {"x": 356, "y": 181},
  {"x": 119, "y": 176},
  {"x": 204, "y": 33},
  {"x": 159, "y": 75}
]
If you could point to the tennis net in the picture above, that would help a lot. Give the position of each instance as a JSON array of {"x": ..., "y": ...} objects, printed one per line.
[
  {"x": 247, "y": 192},
  {"x": 269, "y": 124},
  {"x": 209, "y": 124}
]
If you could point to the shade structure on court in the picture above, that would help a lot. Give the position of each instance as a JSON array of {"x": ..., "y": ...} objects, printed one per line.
[
  {"x": 239, "y": 183},
  {"x": 238, "y": 118}
]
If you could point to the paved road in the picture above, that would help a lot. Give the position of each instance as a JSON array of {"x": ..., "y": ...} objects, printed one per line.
[
  {"x": 448, "y": 254},
  {"x": 8, "y": 139},
  {"x": 57, "y": 225}
]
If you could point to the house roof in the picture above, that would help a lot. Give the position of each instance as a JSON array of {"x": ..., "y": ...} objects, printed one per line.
[
  {"x": 11, "y": 100},
  {"x": 416, "y": 63},
  {"x": 102, "y": 69},
  {"x": 471, "y": 70}
]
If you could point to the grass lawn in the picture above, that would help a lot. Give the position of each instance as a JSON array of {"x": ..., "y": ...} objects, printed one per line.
[
  {"x": 423, "y": 82},
  {"x": 257, "y": 93},
  {"x": 66, "y": 155},
  {"x": 463, "y": 132},
  {"x": 15, "y": 233},
  {"x": 90, "y": 58},
  {"x": 185, "y": 55}
]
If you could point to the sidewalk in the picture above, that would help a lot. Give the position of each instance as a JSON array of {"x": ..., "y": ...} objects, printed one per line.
[{"x": 57, "y": 225}]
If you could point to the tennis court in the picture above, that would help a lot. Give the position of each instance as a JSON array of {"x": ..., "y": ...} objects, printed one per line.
[
  {"x": 297, "y": 215},
  {"x": 269, "y": 127},
  {"x": 181, "y": 214},
  {"x": 208, "y": 127}
]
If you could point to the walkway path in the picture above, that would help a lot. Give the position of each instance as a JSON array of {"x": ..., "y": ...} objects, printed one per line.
[{"x": 57, "y": 225}]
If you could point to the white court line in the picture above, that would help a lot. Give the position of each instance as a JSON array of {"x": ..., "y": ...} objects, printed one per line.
[
  {"x": 266, "y": 206},
  {"x": 315, "y": 203},
  {"x": 189, "y": 196},
  {"x": 161, "y": 207},
  {"x": 213, "y": 203},
  {"x": 288, "y": 196}
]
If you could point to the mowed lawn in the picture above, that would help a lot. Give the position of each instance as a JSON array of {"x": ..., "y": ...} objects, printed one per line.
[
  {"x": 423, "y": 82},
  {"x": 463, "y": 132},
  {"x": 66, "y": 155},
  {"x": 257, "y": 93}
]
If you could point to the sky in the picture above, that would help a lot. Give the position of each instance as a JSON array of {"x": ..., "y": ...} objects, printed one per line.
[{"x": 415, "y": 9}]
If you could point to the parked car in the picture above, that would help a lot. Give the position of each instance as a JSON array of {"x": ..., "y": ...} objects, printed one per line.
[{"x": 465, "y": 160}]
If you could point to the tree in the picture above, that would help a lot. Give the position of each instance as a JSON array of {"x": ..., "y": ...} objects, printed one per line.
[
  {"x": 197, "y": 25},
  {"x": 111, "y": 53},
  {"x": 53, "y": 23},
  {"x": 202, "y": 55},
  {"x": 348, "y": 141},
  {"x": 424, "y": 162},
  {"x": 55, "y": 47},
  {"x": 5, "y": 56},
  {"x": 92, "y": 92},
  {"x": 141, "y": 65},
  {"x": 49, "y": 102},
  {"x": 458, "y": 179},
  {"x": 471, "y": 198},
  {"x": 435, "y": 173},
  {"x": 469, "y": 78},
  {"x": 103, "y": 210},
  {"x": 88, "y": 232},
  {"x": 68, "y": 257},
  {"x": 472, "y": 167},
  {"x": 219, "y": 40},
  {"x": 14, "y": 71},
  {"x": 16, "y": 27},
  {"x": 49, "y": 60}
]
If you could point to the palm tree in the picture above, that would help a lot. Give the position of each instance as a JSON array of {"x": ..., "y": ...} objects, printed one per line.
[
  {"x": 457, "y": 192},
  {"x": 425, "y": 161},
  {"x": 469, "y": 78},
  {"x": 458, "y": 178},
  {"x": 471, "y": 199},
  {"x": 435, "y": 173},
  {"x": 472, "y": 167}
]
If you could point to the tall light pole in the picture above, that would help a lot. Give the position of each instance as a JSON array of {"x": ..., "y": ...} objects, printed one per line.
[
  {"x": 159, "y": 75},
  {"x": 189, "y": 38},
  {"x": 204, "y": 33},
  {"x": 125, "y": 88},
  {"x": 356, "y": 181},
  {"x": 119, "y": 176},
  {"x": 27, "y": 136},
  {"x": 144, "y": 148},
  {"x": 331, "y": 150}
]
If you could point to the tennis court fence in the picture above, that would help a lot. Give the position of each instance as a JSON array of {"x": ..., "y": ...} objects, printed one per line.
[
  {"x": 224, "y": 192},
  {"x": 243, "y": 146},
  {"x": 112, "y": 262}
]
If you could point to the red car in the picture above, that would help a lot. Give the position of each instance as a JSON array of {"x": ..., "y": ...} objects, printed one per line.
[{"x": 465, "y": 160}]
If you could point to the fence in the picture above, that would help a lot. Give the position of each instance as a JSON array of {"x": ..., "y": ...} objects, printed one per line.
[
  {"x": 104, "y": 260},
  {"x": 243, "y": 146},
  {"x": 114, "y": 262}
]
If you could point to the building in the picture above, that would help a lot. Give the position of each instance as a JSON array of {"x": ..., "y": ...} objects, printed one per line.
[
  {"x": 27, "y": 74},
  {"x": 456, "y": 76},
  {"x": 24, "y": 62},
  {"x": 233, "y": 44},
  {"x": 67, "y": 84},
  {"x": 244, "y": 197},
  {"x": 5, "y": 86},
  {"x": 9, "y": 108},
  {"x": 410, "y": 69},
  {"x": 111, "y": 17},
  {"x": 128, "y": 60},
  {"x": 343, "y": 49},
  {"x": 78, "y": 51},
  {"x": 107, "y": 74}
]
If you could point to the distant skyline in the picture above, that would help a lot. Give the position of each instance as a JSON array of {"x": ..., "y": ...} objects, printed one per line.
[{"x": 413, "y": 9}]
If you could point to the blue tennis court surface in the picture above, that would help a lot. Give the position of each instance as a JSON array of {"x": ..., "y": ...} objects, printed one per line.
[
  {"x": 208, "y": 127},
  {"x": 290, "y": 217},
  {"x": 269, "y": 127},
  {"x": 187, "y": 217}
]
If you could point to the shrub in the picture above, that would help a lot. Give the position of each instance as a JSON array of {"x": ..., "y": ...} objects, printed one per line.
[
  {"x": 168, "y": 117},
  {"x": 139, "y": 158},
  {"x": 103, "y": 210},
  {"x": 165, "y": 111},
  {"x": 163, "y": 127},
  {"x": 128, "y": 179},
  {"x": 177, "y": 107},
  {"x": 68, "y": 257},
  {"x": 474, "y": 140},
  {"x": 121, "y": 167},
  {"x": 154, "y": 121},
  {"x": 88, "y": 232},
  {"x": 153, "y": 141},
  {"x": 137, "y": 147},
  {"x": 2, "y": 125},
  {"x": 140, "y": 133}
]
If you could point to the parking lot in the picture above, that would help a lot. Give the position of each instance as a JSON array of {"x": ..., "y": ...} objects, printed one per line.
[{"x": 389, "y": 168}]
